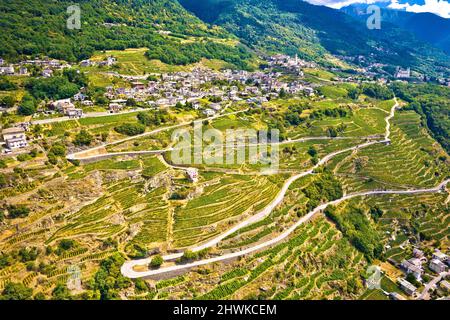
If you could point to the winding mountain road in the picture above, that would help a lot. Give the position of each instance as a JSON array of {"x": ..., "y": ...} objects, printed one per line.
[
  {"x": 128, "y": 267},
  {"x": 81, "y": 155}
]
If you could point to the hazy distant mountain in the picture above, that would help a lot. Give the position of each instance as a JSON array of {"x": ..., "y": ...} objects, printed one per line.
[
  {"x": 426, "y": 26},
  {"x": 295, "y": 26}
]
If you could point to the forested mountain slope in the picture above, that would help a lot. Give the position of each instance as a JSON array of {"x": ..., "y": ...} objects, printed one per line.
[
  {"x": 185, "y": 31},
  {"x": 295, "y": 26},
  {"x": 426, "y": 26},
  {"x": 39, "y": 27}
]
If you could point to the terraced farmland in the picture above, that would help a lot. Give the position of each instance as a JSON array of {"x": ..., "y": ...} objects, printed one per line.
[
  {"x": 412, "y": 160},
  {"x": 315, "y": 263},
  {"x": 222, "y": 202},
  {"x": 123, "y": 204}
]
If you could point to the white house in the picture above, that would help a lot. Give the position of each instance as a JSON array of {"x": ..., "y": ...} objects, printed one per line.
[
  {"x": 115, "y": 107},
  {"x": 412, "y": 266},
  {"x": 192, "y": 174},
  {"x": 73, "y": 113},
  {"x": 88, "y": 103},
  {"x": 7, "y": 70},
  {"x": 63, "y": 104},
  {"x": 437, "y": 266},
  {"x": 209, "y": 112},
  {"x": 47, "y": 73},
  {"x": 79, "y": 97},
  {"x": 406, "y": 286},
  {"x": 403, "y": 73},
  {"x": 15, "y": 138},
  {"x": 439, "y": 255}
]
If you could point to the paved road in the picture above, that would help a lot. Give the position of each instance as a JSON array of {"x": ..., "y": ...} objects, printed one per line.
[
  {"x": 86, "y": 115},
  {"x": 425, "y": 293},
  {"x": 79, "y": 155},
  {"x": 127, "y": 268}
]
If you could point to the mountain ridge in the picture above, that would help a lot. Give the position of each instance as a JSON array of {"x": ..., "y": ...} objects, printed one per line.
[
  {"x": 426, "y": 26},
  {"x": 185, "y": 31},
  {"x": 311, "y": 31}
]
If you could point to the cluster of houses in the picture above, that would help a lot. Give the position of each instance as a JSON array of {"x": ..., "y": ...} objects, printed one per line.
[
  {"x": 67, "y": 108},
  {"x": 11, "y": 69},
  {"x": 225, "y": 86},
  {"x": 47, "y": 65},
  {"x": 293, "y": 64},
  {"x": 108, "y": 62},
  {"x": 403, "y": 73},
  {"x": 182, "y": 87},
  {"x": 439, "y": 263},
  {"x": 195, "y": 87}
]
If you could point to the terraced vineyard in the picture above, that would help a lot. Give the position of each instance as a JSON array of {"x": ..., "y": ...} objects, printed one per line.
[
  {"x": 123, "y": 204},
  {"x": 221, "y": 203},
  {"x": 315, "y": 263},
  {"x": 272, "y": 225},
  {"x": 411, "y": 160}
]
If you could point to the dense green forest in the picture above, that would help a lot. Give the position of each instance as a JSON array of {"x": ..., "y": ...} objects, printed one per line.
[
  {"x": 176, "y": 36},
  {"x": 432, "y": 102},
  {"x": 39, "y": 28},
  {"x": 293, "y": 26}
]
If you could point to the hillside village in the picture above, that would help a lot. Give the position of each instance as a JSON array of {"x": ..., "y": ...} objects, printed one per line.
[
  {"x": 220, "y": 88},
  {"x": 422, "y": 274},
  {"x": 166, "y": 90}
]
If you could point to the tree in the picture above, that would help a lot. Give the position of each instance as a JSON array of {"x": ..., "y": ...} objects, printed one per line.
[
  {"x": 283, "y": 93},
  {"x": 56, "y": 88},
  {"x": 16, "y": 291},
  {"x": 58, "y": 150},
  {"x": 189, "y": 255},
  {"x": 66, "y": 244},
  {"x": 39, "y": 296},
  {"x": 131, "y": 102},
  {"x": 8, "y": 101},
  {"x": 376, "y": 213},
  {"x": 130, "y": 129},
  {"x": 312, "y": 151},
  {"x": 140, "y": 285},
  {"x": 61, "y": 293},
  {"x": 377, "y": 91},
  {"x": 3, "y": 181},
  {"x": 83, "y": 138},
  {"x": 108, "y": 279},
  {"x": 157, "y": 261},
  {"x": 144, "y": 118},
  {"x": 27, "y": 106},
  {"x": 353, "y": 93},
  {"x": 332, "y": 132},
  {"x": 7, "y": 85},
  {"x": 52, "y": 158},
  {"x": 18, "y": 211}
]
